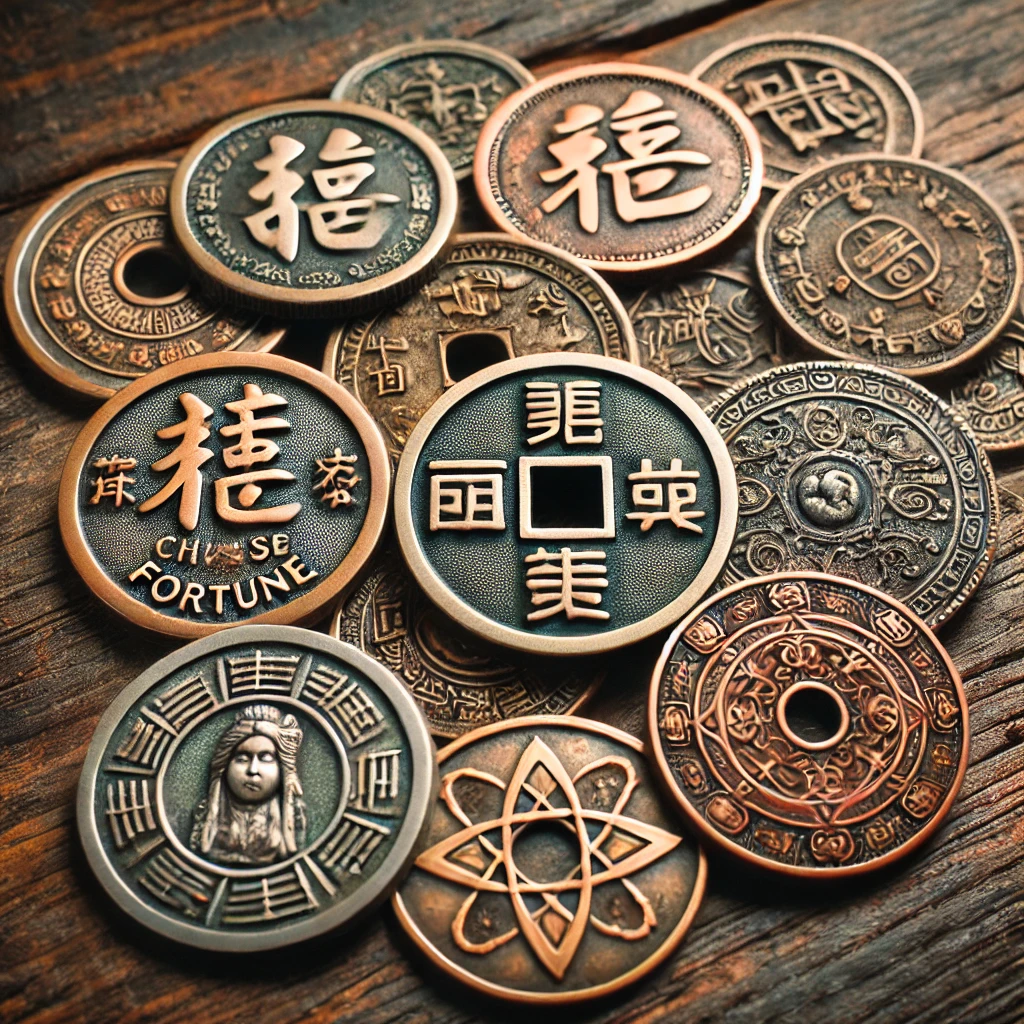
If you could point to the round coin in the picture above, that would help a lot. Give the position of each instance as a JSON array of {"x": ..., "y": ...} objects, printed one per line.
[
  {"x": 809, "y": 724},
  {"x": 226, "y": 489},
  {"x": 552, "y": 870},
  {"x": 314, "y": 208},
  {"x": 255, "y": 789},
  {"x": 680, "y": 165},
  {"x": 97, "y": 291},
  {"x": 893, "y": 261}
]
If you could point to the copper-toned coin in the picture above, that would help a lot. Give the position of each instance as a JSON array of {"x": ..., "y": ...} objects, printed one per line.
[
  {"x": 553, "y": 871},
  {"x": 314, "y": 208},
  {"x": 494, "y": 298},
  {"x": 627, "y": 166},
  {"x": 809, "y": 724},
  {"x": 97, "y": 290},
  {"x": 229, "y": 488},
  {"x": 859, "y": 472},
  {"x": 814, "y": 99},
  {"x": 893, "y": 261}
]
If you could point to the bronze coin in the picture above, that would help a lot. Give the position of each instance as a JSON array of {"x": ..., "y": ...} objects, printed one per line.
[
  {"x": 814, "y": 99},
  {"x": 97, "y": 290},
  {"x": 809, "y": 724},
  {"x": 892, "y": 261},
  {"x": 683, "y": 165},
  {"x": 553, "y": 871},
  {"x": 859, "y": 472}
]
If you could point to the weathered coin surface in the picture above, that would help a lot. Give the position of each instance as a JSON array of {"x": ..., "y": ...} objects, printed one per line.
[
  {"x": 893, "y": 261},
  {"x": 445, "y": 87},
  {"x": 540, "y": 503},
  {"x": 97, "y": 291},
  {"x": 859, "y": 472},
  {"x": 255, "y": 789},
  {"x": 553, "y": 871},
  {"x": 814, "y": 99},
  {"x": 493, "y": 299},
  {"x": 809, "y": 724},
  {"x": 314, "y": 208},
  {"x": 627, "y": 166},
  {"x": 226, "y": 489}
]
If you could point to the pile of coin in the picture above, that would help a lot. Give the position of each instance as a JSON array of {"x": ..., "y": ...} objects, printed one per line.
[{"x": 588, "y": 427}]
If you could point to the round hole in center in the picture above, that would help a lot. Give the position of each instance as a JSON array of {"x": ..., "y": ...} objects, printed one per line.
[
  {"x": 154, "y": 273},
  {"x": 469, "y": 353},
  {"x": 813, "y": 716}
]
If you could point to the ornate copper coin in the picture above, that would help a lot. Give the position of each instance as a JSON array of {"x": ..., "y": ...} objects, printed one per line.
[
  {"x": 814, "y": 99},
  {"x": 627, "y": 166},
  {"x": 314, "y": 208},
  {"x": 893, "y": 261},
  {"x": 255, "y": 789},
  {"x": 97, "y": 292},
  {"x": 226, "y": 489},
  {"x": 859, "y": 472},
  {"x": 494, "y": 298},
  {"x": 553, "y": 871},
  {"x": 809, "y": 724}
]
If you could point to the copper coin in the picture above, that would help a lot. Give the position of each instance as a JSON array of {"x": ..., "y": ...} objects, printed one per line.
[
  {"x": 627, "y": 166},
  {"x": 809, "y": 724},
  {"x": 97, "y": 290},
  {"x": 226, "y": 489},
  {"x": 553, "y": 871},
  {"x": 814, "y": 99},
  {"x": 862, "y": 473},
  {"x": 314, "y": 208},
  {"x": 892, "y": 261},
  {"x": 493, "y": 299}
]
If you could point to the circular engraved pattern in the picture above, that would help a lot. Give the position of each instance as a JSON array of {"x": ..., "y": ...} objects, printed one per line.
[
  {"x": 552, "y": 871},
  {"x": 809, "y": 724}
]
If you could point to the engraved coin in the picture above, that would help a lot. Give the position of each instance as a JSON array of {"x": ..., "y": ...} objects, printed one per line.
[
  {"x": 809, "y": 724},
  {"x": 226, "y": 489},
  {"x": 494, "y": 298},
  {"x": 314, "y": 208},
  {"x": 540, "y": 503},
  {"x": 626, "y": 166},
  {"x": 255, "y": 789},
  {"x": 896, "y": 262},
  {"x": 859, "y": 472},
  {"x": 553, "y": 870},
  {"x": 814, "y": 99},
  {"x": 97, "y": 291}
]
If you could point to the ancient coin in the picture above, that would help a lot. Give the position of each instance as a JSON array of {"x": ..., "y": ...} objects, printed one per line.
[
  {"x": 892, "y": 261},
  {"x": 540, "y": 502},
  {"x": 97, "y": 291},
  {"x": 228, "y": 488},
  {"x": 314, "y": 208},
  {"x": 859, "y": 472},
  {"x": 809, "y": 724},
  {"x": 683, "y": 165},
  {"x": 493, "y": 299},
  {"x": 814, "y": 99},
  {"x": 256, "y": 788},
  {"x": 445, "y": 87},
  {"x": 553, "y": 871}
]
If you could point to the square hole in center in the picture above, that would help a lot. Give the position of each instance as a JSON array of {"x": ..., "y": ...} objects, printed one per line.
[{"x": 566, "y": 497}]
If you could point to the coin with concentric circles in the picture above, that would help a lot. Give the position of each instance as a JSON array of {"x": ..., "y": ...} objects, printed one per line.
[
  {"x": 226, "y": 489},
  {"x": 255, "y": 789},
  {"x": 314, "y": 208},
  {"x": 809, "y": 724},
  {"x": 97, "y": 290},
  {"x": 626, "y": 166},
  {"x": 553, "y": 870}
]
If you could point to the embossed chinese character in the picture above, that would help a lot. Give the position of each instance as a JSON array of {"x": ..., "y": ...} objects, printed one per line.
[
  {"x": 582, "y": 411},
  {"x": 453, "y": 107},
  {"x": 390, "y": 376},
  {"x": 376, "y": 780},
  {"x": 279, "y": 185},
  {"x": 476, "y": 291},
  {"x": 550, "y": 302},
  {"x": 563, "y": 580},
  {"x": 467, "y": 494},
  {"x": 337, "y": 479},
  {"x": 111, "y": 481},
  {"x": 660, "y": 494}
]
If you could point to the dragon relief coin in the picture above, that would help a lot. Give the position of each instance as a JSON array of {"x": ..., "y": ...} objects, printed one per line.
[
  {"x": 553, "y": 870},
  {"x": 809, "y": 724},
  {"x": 255, "y": 789},
  {"x": 225, "y": 489},
  {"x": 97, "y": 291}
]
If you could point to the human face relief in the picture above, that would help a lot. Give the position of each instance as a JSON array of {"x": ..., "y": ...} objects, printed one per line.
[{"x": 254, "y": 772}]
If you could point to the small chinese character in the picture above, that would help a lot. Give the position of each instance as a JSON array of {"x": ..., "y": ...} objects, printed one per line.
[
  {"x": 376, "y": 779},
  {"x": 338, "y": 478},
  {"x": 470, "y": 499},
  {"x": 550, "y": 301},
  {"x": 476, "y": 292},
  {"x": 561, "y": 579},
  {"x": 390, "y": 376},
  {"x": 582, "y": 411},
  {"x": 111, "y": 480},
  {"x": 649, "y": 493}
]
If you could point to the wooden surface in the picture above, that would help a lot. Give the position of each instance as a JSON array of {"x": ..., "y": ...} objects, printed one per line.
[{"x": 940, "y": 939}]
